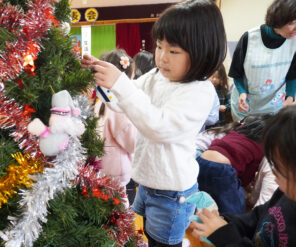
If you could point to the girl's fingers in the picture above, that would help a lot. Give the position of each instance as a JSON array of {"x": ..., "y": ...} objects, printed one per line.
[
  {"x": 99, "y": 77},
  {"x": 205, "y": 215},
  {"x": 206, "y": 212},
  {"x": 197, "y": 233},
  {"x": 199, "y": 227},
  {"x": 89, "y": 58},
  {"x": 103, "y": 64},
  {"x": 86, "y": 56},
  {"x": 99, "y": 69},
  {"x": 194, "y": 224},
  {"x": 215, "y": 212},
  {"x": 84, "y": 66}
]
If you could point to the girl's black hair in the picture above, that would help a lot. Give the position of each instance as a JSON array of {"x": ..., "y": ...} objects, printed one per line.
[
  {"x": 144, "y": 62},
  {"x": 197, "y": 27},
  {"x": 251, "y": 126},
  {"x": 280, "y": 13},
  {"x": 279, "y": 140}
]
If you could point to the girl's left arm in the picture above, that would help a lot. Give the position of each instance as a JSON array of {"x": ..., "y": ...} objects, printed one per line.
[
  {"x": 185, "y": 110},
  {"x": 105, "y": 75}
]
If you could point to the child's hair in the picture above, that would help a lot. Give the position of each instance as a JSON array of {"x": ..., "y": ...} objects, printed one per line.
[
  {"x": 280, "y": 13},
  {"x": 120, "y": 59},
  {"x": 223, "y": 78},
  {"x": 279, "y": 141},
  {"x": 197, "y": 27},
  {"x": 251, "y": 126},
  {"x": 144, "y": 62}
]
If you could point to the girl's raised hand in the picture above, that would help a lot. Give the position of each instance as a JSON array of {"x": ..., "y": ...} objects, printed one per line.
[
  {"x": 211, "y": 221},
  {"x": 87, "y": 61},
  {"x": 106, "y": 74}
]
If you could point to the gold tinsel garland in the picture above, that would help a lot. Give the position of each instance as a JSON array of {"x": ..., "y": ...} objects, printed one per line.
[{"x": 18, "y": 175}]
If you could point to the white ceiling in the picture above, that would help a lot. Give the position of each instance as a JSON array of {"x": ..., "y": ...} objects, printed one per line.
[{"x": 108, "y": 3}]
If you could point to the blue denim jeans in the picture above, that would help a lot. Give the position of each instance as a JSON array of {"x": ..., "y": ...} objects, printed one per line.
[
  {"x": 221, "y": 182},
  {"x": 166, "y": 217}
]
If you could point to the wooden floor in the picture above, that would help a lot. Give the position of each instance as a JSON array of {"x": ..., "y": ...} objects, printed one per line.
[{"x": 193, "y": 241}]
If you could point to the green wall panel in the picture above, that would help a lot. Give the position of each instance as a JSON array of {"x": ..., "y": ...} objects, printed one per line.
[{"x": 103, "y": 38}]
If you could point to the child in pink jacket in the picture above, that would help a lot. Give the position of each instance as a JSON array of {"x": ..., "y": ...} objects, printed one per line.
[
  {"x": 116, "y": 129},
  {"x": 119, "y": 134}
]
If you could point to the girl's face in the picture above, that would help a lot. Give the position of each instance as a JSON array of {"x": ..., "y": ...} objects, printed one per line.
[
  {"x": 215, "y": 79},
  {"x": 285, "y": 181},
  {"x": 288, "y": 31},
  {"x": 172, "y": 61}
]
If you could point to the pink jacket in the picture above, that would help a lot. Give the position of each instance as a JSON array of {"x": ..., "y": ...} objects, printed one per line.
[{"x": 119, "y": 134}]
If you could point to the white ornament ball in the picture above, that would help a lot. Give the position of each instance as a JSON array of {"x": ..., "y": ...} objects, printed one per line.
[{"x": 65, "y": 27}]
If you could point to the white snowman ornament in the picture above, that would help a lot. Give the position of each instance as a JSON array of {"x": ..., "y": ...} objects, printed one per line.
[{"x": 63, "y": 123}]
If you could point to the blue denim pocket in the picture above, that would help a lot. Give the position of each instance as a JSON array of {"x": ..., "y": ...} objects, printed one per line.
[
  {"x": 171, "y": 195},
  {"x": 166, "y": 217}
]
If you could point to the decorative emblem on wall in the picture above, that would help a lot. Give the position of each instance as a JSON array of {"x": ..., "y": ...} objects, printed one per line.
[
  {"x": 75, "y": 15},
  {"x": 91, "y": 15}
]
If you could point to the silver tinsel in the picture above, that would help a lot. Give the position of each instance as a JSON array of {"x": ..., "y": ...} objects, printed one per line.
[
  {"x": 25, "y": 230},
  {"x": 83, "y": 103},
  {"x": 65, "y": 27}
]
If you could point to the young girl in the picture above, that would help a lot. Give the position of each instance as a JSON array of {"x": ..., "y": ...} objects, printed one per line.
[
  {"x": 232, "y": 161},
  {"x": 118, "y": 131},
  {"x": 220, "y": 82},
  {"x": 274, "y": 223},
  {"x": 168, "y": 106}
]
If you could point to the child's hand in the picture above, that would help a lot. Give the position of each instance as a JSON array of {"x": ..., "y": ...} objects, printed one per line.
[
  {"x": 211, "y": 222},
  {"x": 87, "y": 61},
  {"x": 242, "y": 104},
  {"x": 289, "y": 101},
  {"x": 222, "y": 108},
  {"x": 106, "y": 74}
]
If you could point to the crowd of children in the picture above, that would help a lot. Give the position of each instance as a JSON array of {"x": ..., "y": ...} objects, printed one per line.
[{"x": 154, "y": 137}]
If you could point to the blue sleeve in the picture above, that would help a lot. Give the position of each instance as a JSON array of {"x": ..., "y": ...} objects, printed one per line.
[
  {"x": 239, "y": 83},
  {"x": 291, "y": 88}
]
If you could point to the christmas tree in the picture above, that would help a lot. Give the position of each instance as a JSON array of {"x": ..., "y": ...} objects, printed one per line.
[{"x": 51, "y": 199}]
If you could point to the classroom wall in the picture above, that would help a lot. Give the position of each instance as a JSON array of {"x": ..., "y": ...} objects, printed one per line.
[{"x": 241, "y": 15}]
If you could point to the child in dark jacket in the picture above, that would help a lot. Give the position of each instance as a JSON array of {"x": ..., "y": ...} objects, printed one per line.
[{"x": 273, "y": 223}]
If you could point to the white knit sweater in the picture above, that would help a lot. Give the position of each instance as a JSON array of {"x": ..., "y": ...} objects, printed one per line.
[{"x": 168, "y": 116}]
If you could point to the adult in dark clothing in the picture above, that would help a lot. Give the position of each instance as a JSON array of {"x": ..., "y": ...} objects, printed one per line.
[{"x": 264, "y": 63}]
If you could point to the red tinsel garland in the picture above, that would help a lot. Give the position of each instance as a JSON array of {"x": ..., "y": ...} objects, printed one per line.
[
  {"x": 13, "y": 116},
  {"x": 28, "y": 28},
  {"x": 105, "y": 188}
]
